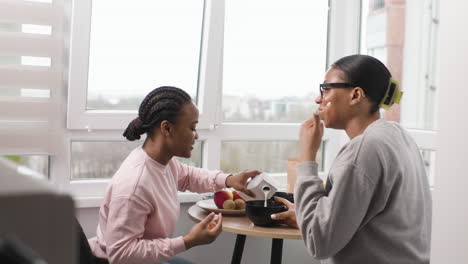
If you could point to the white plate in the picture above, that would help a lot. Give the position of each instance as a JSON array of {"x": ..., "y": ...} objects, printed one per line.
[{"x": 210, "y": 206}]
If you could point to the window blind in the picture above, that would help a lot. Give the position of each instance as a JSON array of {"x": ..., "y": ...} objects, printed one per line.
[{"x": 31, "y": 69}]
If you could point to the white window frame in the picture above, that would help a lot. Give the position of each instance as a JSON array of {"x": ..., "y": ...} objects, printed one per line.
[
  {"x": 420, "y": 45},
  {"x": 343, "y": 39},
  {"x": 86, "y": 125},
  {"x": 208, "y": 82},
  {"x": 418, "y": 70},
  {"x": 417, "y": 67}
]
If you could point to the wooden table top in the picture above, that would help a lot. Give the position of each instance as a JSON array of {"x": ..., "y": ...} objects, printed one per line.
[{"x": 243, "y": 226}]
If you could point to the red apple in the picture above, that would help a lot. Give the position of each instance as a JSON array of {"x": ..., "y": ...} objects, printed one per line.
[
  {"x": 221, "y": 196},
  {"x": 236, "y": 195}
]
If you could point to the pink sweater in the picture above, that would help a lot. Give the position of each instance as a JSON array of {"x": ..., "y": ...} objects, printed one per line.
[{"x": 141, "y": 208}]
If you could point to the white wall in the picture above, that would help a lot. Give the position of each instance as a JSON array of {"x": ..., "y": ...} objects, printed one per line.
[
  {"x": 450, "y": 211},
  {"x": 256, "y": 250}
]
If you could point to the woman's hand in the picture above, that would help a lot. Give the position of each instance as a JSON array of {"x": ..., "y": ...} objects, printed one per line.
[
  {"x": 204, "y": 232},
  {"x": 310, "y": 138},
  {"x": 288, "y": 217},
  {"x": 239, "y": 181}
]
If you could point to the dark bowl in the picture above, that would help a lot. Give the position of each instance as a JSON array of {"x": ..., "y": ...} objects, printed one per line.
[
  {"x": 287, "y": 196},
  {"x": 260, "y": 215}
]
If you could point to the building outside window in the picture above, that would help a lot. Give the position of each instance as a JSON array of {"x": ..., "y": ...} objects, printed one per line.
[{"x": 377, "y": 4}]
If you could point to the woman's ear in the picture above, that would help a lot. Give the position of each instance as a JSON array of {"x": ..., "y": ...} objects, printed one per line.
[
  {"x": 165, "y": 128},
  {"x": 357, "y": 94}
]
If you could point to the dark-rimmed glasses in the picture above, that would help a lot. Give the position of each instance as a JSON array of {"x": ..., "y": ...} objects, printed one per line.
[{"x": 328, "y": 86}]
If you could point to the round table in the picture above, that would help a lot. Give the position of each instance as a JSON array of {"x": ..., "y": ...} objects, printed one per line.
[{"x": 242, "y": 226}]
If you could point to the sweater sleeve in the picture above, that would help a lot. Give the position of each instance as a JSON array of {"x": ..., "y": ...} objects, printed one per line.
[
  {"x": 198, "y": 179},
  {"x": 329, "y": 221},
  {"x": 124, "y": 236}
]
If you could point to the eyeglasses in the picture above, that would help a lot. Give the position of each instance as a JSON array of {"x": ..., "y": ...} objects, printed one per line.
[{"x": 328, "y": 86}]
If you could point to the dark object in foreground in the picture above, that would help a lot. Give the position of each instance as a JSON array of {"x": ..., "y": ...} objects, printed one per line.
[{"x": 14, "y": 251}]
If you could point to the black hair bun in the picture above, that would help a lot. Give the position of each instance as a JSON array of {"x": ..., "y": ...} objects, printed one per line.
[{"x": 134, "y": 130}]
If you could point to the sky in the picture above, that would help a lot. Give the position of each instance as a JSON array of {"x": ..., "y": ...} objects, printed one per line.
[{"x": 272, "y": 49}]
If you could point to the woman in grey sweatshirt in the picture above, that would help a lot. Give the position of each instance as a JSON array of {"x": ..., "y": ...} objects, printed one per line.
[{"x": 376, "y": 204}]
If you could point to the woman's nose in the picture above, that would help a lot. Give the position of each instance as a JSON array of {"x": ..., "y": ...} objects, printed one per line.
[{"x": 318, "y": 99}]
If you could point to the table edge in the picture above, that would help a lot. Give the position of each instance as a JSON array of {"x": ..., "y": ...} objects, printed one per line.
[{"x": 250, "y": 232}]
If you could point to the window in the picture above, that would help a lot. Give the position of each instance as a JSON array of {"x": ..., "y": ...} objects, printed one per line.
[
  {"x": 377, "y": 4},
  {"x": 101, "y": 159},
  {"x": 158, "y": 43},
  {"x": 251, "y": 67},
  {"x": 118, "y": 61},
  {"x": 407, "y": 47},
  {"x": 267, "y": 156},
  {"x": 429, "y": 157},
  {"x": 274, "y": 57},
  {"x": 36, "y": 166},
  {"x": 420, "y": 102},
  {"x": 249, "y": 154},
  {"x": 255, "y": 104}
]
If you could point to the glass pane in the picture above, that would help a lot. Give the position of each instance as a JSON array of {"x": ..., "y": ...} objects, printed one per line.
[
  {"x": 33, "y": 165},
  {"x": 137, "y": 46},
  {"x": 267, "y": 156},
  {"x": 274, "y": 59},
  {"x": 101, "y": 159},
  {"x": 429, "y": 157},
  {"x": 383, "y": 36}
]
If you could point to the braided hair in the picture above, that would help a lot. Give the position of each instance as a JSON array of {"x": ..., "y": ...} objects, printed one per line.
[
  {"x": 163, "y": 103},
  {"x": 368, "y": 73}
]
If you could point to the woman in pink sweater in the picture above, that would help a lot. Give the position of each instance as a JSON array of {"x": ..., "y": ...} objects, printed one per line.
[{"x": 141, "y": 206}]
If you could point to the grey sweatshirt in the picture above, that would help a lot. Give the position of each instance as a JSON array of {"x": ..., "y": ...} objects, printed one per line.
[{"x": 376, "y": 206}]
